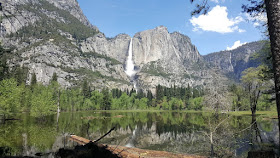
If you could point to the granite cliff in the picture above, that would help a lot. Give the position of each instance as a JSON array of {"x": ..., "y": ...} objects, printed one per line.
[
  {"x": 48, "y": 36},
  {"x": 169, "y": 59},
  {"x": 233, "y": 62}
]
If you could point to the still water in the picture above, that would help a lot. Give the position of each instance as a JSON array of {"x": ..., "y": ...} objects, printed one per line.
[{"x": 178, "y": 132}]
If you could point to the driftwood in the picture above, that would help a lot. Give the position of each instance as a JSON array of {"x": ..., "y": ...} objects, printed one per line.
[{"x": 127, "y": 152}]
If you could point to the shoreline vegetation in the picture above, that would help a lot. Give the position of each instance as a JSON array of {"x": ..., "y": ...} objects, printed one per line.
[
  {"x": 263, "y": 114},
  {"x": 43, "y": 100}
]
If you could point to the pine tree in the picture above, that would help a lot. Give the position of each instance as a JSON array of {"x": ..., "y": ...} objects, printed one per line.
[
  {"x": 54, "y": 77},
  {"x": 114, "y": 94},
  {"x": 159, "y": 92},
  {"x": 20, "y": 74},
  {"x": 4, "y": 69},
  {"x": 107, "y": 100},
  {"x": 119, "y": 93},
  {"x": 86, "y": 89},
  {"x": 195, "y": 93},
  {"x": 33, "y": 80},
  {"x": 140, "y": 94},
  {"x": 188, "y": 93}
]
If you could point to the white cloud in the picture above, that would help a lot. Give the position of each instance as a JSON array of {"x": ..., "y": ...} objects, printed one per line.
[
  {"x": 257, "y": 19},
  {"x": 235, "y": 45},
  {"x": 256, "y": 24},
  {"x": 262, "y": 17},
  {"x": 216, "y": 1},
  {"x": 241, "y": 30},
  {"x": 216, "y": 20}
]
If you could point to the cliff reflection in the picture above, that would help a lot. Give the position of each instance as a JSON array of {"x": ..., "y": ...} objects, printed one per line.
[{"x": 180, "y": 132}]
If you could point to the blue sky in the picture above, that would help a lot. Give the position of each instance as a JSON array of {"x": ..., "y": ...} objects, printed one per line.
[{"x": 224, "y": 27}]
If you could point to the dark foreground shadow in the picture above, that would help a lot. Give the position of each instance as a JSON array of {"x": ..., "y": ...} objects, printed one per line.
[
  {"x": 90, "y": 150},
  {"x": 261, "y": 154}
]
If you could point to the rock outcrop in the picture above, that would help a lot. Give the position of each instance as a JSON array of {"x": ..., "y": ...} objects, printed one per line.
[
  {"x": 116, "y": 47},
  {"x": 233, "y": 62},
  {"x": 48, "y": 36},
  {"x": 168, "y": 59},
  {"x": 72, "y": 6},
  {"x": 159, "y": 44}
]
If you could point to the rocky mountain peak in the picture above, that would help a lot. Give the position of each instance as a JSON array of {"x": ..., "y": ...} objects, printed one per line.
[
  {"x": 159, "y": 44},
  {"x": 72, "y": 6},
  {"x": 161, "y": 28}
]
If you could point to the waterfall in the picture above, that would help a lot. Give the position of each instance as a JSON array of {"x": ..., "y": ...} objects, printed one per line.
[
  {"x": 131, "y": 141},
  {"x": 129, "y": 69}
]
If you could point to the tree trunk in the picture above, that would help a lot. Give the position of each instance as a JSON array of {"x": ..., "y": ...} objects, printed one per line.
[
  {"x": 273, "y": 16},
  {"x": 212, "y": 153},
  {"x": 253, "y": 110}
]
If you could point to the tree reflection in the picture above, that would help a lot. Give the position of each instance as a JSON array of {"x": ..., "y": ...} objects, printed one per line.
[{"x": 194, "y": 133}]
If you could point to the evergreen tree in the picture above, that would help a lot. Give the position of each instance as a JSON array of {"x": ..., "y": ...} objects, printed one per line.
[
  {"x": 107, "y": 99},
  {"x": 168, "y": 93},
  {"x": 20, "y": 74},
  {"x": 159, "y": 92},
  {"x": 86, "y": 89},
  {"x": 114, "y": 93},
  {"x": 132, "y": 91},
  {"x": 195, "y": 93},
  {"x": 54, "y": 77},
  {"x": 174, "y": 94},
  {"x": 150, "y": 97},
  {"x": 140, "y": 94},
  {"x": 4, "y": 69},
  {"x": 119, "y": 93},
  {"x": 188, "y": 92},
  {"x": 33, "y": 80},
  {"x": 182, "y": 93}
]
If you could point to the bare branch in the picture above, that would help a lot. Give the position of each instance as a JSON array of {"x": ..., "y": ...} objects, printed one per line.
[{"x": 104, "y": 135}]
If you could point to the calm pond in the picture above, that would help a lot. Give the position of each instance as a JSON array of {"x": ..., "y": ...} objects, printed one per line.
[{"x": 178, "y": 132}]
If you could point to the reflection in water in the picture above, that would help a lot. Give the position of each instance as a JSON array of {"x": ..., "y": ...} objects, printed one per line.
[
  {"x": 25, "y": 147},
  {"x": 169, "y": 131},
  {"x": 131, "y": 141}
]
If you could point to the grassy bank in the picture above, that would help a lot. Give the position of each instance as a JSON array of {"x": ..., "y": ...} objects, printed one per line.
[{"x": 271, "y": 114}]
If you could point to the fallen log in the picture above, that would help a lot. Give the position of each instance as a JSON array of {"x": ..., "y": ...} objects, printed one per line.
[
  {"x": 127, "y": 152},
  {"x": 79, "y": 140}
]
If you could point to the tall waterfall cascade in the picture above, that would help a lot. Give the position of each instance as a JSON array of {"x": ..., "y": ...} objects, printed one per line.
[{"x": 129, "y": 69}]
